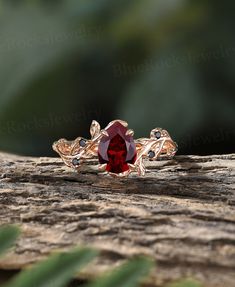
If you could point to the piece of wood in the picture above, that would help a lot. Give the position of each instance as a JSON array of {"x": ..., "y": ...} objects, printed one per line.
[{"x": 182, "y": 214}]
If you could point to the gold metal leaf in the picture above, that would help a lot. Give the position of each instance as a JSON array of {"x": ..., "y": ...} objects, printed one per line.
[{"x": 94, "y": 129}]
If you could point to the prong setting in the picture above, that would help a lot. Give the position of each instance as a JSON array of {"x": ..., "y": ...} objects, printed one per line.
[
  {"x": 104, "y": 133},
  {"x": 130, "y": 132}
]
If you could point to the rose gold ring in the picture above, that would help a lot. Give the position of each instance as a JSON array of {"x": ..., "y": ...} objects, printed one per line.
[{"x": 117, "y": 151}]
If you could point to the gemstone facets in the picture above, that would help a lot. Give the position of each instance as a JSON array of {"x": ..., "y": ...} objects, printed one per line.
[{"x": 117, "y": 149}]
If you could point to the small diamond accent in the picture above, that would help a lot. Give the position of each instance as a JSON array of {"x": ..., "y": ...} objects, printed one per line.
[
  {"x": 75, "y": 161},
  {"x": 151, "y": 154},
  {"x": 82, "y": 142},
  {"x": 158, "y": 135}
]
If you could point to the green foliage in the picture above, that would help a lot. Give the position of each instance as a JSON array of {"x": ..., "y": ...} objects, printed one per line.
[
  {"x": 128, "y": 275},
  {"x": 155, "y": 84},
  {"x": 151, "y": 63},
  {"x": 59, "y": 269},
  {"x": 8, "y": 236},
  {"x": 56, "y": 271},
  {"x": 185, "y": 283}
]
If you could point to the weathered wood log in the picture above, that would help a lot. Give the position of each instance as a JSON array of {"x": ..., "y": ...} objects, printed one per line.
[{"x": 182, "y": 213}]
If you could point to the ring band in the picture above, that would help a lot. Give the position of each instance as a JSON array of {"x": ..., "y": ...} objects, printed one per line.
[{"x": 117, "y": 151}]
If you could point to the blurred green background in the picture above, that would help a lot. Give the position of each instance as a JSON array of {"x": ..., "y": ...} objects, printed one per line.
[{"x": 167, "y": 63}]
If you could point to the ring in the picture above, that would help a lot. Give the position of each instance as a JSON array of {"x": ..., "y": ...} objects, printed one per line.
[{"x": 117, "y": 151}]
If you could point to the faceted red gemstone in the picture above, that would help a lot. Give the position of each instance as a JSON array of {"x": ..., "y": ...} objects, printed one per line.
[{"x": 117, "y": 149}]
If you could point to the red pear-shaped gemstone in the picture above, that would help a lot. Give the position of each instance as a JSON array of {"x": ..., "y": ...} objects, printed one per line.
[{"x": 117, "y": 149}]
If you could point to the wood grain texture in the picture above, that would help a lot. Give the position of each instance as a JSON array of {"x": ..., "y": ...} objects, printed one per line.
[{"x": 182, "y": 213}]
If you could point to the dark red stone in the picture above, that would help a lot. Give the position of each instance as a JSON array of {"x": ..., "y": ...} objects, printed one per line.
[{"x": 117, "y": 149}]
